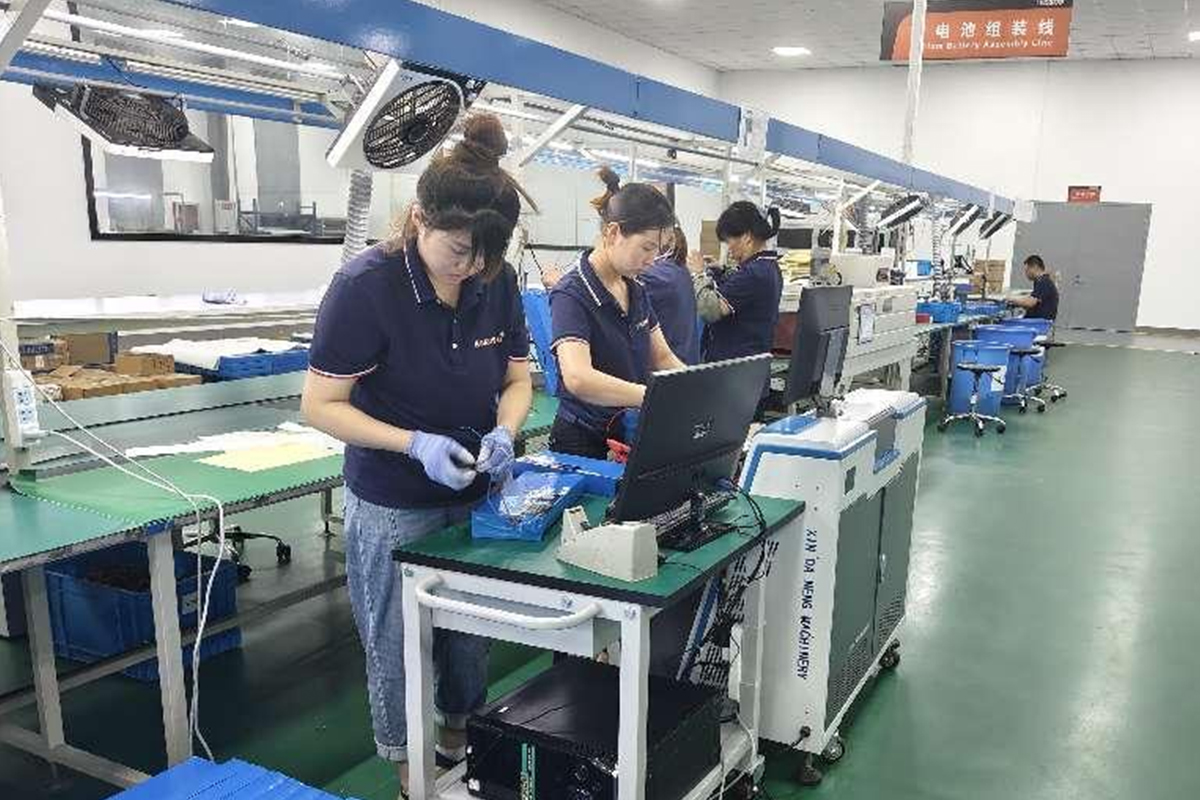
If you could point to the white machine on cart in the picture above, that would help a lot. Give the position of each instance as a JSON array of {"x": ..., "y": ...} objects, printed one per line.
[{"x": 835, "y": 597}]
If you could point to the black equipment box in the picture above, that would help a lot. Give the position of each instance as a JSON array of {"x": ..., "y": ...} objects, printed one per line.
[{"x": 555, "y": 738}]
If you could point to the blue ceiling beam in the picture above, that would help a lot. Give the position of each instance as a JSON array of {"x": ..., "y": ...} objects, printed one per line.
[{"x": 422, "y": 35}]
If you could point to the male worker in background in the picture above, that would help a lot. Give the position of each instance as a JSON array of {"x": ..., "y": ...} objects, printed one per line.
[{"x": 1043, "y": 302}]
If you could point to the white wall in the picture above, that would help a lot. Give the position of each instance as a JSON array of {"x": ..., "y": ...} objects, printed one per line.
[
  {"x": 550, "y": 26},
  {"x": 1029, "y": 130},
  {"x": 51, "y": 251}
]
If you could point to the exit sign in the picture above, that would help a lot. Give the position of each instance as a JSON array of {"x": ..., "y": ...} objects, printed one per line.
[{"x": 1083, "y": 194}]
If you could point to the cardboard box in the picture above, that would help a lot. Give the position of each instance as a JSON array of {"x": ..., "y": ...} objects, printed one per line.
[
  {"x": 177, "y": 380},
  {"x": 43, "y": 363},
  {"x": 91, "y": 348},
  {"x": 48, "y": 385},
  {"x": 145, "y": 364},
  {"x": 139, "y": 383}
]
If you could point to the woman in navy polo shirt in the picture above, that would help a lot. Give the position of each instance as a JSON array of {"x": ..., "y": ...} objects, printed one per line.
[
  {"x": 673, "y": 296},
  {"x": 742, "y": 306},
  {"x": 419, "y": 364},
  {"x": 606, "y": 335}
]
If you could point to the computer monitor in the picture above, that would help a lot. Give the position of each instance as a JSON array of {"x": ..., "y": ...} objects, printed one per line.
[
  {"x": 822, "y": 336},
  {"x": 795, "y": 238},
  {"x": 690, "y": 435}
]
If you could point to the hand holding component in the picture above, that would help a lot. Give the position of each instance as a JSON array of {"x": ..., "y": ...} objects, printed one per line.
[
  {"x": 496, "y": 452},
  {"x": 445, "y": 461}
]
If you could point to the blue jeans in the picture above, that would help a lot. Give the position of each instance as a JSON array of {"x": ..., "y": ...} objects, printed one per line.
[{"x": 460, "y": 660}]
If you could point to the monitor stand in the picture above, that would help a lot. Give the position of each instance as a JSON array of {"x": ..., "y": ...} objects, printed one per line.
[{"x": 694, "y": 530}]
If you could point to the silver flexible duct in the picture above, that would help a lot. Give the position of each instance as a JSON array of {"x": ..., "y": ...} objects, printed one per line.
[{"x": 358, "y": 214}]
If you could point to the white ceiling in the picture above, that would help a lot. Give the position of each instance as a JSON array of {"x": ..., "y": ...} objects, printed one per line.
[{"x": 739, "y": 34}]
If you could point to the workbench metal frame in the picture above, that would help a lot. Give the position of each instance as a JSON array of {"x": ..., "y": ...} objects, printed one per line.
[{"x": 568, "y": 622}]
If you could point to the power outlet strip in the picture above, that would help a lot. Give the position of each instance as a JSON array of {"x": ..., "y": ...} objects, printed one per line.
[{"x": 24, "y": 405}]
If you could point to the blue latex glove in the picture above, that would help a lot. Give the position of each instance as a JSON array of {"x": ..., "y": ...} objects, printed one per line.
[
  {"x": 496, "y": 452},
  {"x": 445, "y": 461}
]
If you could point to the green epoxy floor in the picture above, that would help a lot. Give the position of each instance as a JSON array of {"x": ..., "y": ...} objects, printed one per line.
[{"x": 1050, "y": 651}]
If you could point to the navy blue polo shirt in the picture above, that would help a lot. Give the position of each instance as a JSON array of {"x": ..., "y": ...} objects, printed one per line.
[
  {"x": 583, "y": 310},
  {"x": 1046, "y": 293},
  {"x": 673, "y": 296},
  {"x": 752, "y": 291},
  {"x": 419, "y": 364}
]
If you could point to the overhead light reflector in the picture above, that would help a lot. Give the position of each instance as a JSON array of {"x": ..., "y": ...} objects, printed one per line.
[
  {"x": 994, "y": 225},
  {"x": 901, "y": 211},
  {"x": 791, "y": 51},
  {"x": 964, "y": 219}
]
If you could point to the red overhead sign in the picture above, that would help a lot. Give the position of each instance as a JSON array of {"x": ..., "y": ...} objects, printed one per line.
[
  {"x": 969, "y": 29},
  {"x": 1083, "y": 194}
]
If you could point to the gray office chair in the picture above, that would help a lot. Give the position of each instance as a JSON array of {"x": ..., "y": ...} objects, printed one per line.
[{"x": 980, "y": 421}]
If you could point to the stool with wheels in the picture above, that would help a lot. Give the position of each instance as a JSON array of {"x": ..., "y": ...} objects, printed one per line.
[
  {"x": 980, "y": 421},
  {"x": 1024, "y": 394},
  {"x": 1056, "y": 392}
]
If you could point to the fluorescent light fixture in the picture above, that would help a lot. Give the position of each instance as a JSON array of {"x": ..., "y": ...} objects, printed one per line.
[
  {"x": 565, "y": 147},
  {"x": 120, "y": 195},
  {"x": 1194, "y": 36},
  {"x": 994, "y": 225},
  {"x": 791, "y": 51},
  {"x": 162, "y": 33},
  {"x": 609, "y": 155},
  {"x": 901, "y": 211},
  {"x": 964, "y": 220},
  {"x": 649, "y": 164},
  {"x": 239, "y": 23},
  {"x": 67, "y": 53}
]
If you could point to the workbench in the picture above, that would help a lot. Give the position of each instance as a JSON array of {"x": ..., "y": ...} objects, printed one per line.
[
  {"x": 85, "y": 508},
  {"x": 520, "y": 592}
]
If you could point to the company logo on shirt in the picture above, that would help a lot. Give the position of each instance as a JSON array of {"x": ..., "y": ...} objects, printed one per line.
[
  {"x": 491, "y": 341},
  {"x": 641, "y": 326}
]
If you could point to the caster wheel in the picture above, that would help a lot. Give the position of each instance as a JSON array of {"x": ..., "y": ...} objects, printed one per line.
[
  {"x": 890, "y": 659},
  {"x": 1041, "y": 409},
  {"x": 283, "y": 553},
  {"x": 1054, "y": 398},
  {"x": 1000, "y": 429},
  {"x": 979, "y": 430},
  {"x": 942, "y": 426},
  {"x": 1038, "y": 391},
  {"x": 834, "y": 751},
  {"x": 243, "y": 573},
  {"x": 1022, "y": 409}
]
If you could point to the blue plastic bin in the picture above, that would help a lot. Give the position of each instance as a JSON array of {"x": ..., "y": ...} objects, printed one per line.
[
  {"x": 488, "y": 523},
  {"x": 252, "y": 365},
  {"x": 1044, "y": 327},
  {"x": 961, "y": 385},
  {"x": 599, "y": 477},
  {"x": 940, "y": 312},
  {"x": 1016, "y": 337},
  {"x": 94, "y": 621},
  {"x": 537, "y": 317}
]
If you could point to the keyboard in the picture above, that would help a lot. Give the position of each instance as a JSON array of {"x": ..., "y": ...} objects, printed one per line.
[{"x": 675, "y": 529}]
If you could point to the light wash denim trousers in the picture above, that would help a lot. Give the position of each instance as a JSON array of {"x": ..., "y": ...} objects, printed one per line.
[{"x": 460, "y": 661}]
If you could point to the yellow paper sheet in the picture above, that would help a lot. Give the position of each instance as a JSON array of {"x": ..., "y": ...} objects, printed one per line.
[{"x": 259, "y": 459}]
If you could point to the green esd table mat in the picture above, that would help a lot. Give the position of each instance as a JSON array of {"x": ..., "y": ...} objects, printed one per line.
[
  {"x": 536, "y": 563},
  {"x": 112, "y": 493}
]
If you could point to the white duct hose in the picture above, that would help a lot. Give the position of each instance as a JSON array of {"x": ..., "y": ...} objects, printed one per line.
[{"x": 358, "y": 214}]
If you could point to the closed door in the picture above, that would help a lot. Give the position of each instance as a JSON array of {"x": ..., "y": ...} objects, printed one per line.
[{"x": 1096, "y": 253}]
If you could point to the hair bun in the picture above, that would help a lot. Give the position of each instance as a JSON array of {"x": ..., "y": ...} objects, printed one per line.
[
  {"x": 610, "y": 179},
  {"x": 484, "y": 139}
]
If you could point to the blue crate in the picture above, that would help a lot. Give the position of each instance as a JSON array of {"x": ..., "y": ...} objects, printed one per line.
[
  {"x": 599, "y": 477},
  {"x": 92, "y": 621},
  {"x": 488, "y": 523},
  {"x": 537, "y": 317},
  {"x": 940, "y": 312},
  {"x": 252, "y": 365},
  {"x": 289, "y": 361}
]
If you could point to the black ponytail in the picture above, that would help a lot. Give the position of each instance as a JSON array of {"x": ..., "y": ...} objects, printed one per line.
[
  {"x": 635, "y": 207},
  {"x": 745, "y": 217}
]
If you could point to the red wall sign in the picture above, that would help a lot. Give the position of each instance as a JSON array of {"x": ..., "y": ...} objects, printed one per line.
[
  {"x": 1083, "y": 194},
  {"x": 969, "y": 29}
]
